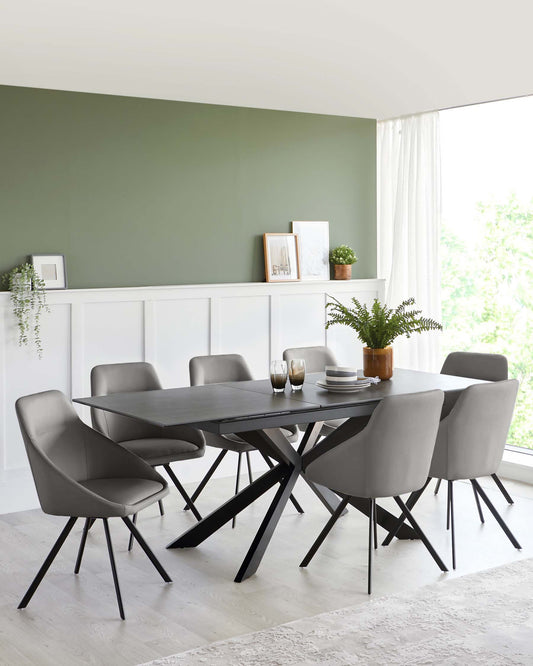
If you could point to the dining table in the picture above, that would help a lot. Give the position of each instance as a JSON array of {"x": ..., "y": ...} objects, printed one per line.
[{"x": 253, "y": 411}]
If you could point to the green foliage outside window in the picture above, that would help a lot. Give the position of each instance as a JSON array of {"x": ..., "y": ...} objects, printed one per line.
[{"x": 487, "y": 298}]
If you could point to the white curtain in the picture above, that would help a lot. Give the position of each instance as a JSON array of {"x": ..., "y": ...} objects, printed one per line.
[{"x": 409, "y": 217}]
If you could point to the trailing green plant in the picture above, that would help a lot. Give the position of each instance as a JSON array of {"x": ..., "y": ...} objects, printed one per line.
[
  {"x": 28, "y": 300},
  {"x": 342, "y": 255},
  {"x": 378, "y": 327}
]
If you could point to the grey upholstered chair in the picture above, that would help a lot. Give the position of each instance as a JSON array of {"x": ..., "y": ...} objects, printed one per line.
[
  {"x": 471, "y": 441},
  {"x": 155, "y": 445},
  {"x": 469, "y": 445},
  {"x": 388, "y": 457},
  {"x": 216, "y": 369},
  {"x": 316, "y": 359},
  {"x": 80, "y": 473},
  {"x": 490, "y": 367}
]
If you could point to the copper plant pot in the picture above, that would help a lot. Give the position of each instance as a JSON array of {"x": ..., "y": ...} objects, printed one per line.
[
  {"x": 343, "y": 271},
  {"x": 377, "y": 362}
]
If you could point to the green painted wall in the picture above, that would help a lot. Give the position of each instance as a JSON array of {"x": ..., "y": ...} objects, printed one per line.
[{"x": 145, "y": 192}]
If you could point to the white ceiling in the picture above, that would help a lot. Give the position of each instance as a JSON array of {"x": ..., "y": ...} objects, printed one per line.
[{"x": 374, "y": 59}]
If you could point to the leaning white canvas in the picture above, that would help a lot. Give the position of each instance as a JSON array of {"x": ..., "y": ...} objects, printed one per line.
[{"x": 313, "y": 243}]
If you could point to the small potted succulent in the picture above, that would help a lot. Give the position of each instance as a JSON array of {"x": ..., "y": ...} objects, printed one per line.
[
  {"x": 377, "y": 328},
  {"x": 28, "y": 300},
  {"x": 342, "y": 258}
]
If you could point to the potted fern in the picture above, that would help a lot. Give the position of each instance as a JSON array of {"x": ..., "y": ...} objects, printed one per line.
[
  {"x": 28, "y": 300},
  {"x": 377, "y": 328},
  {"x": 342, "y": 258}
]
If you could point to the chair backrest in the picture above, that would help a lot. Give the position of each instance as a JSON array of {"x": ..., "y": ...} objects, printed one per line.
[
  {"x": 50, "y": 425},
  {"x": 472, "y": 438},
  {"x": 490, "y": 367},
  {"x": 218, "y": 368},
  {"x": 391, "y": 456},
  {"x": 63, "y": 452},
  {"x": 122, "y": 378},
  {"x": 316, "y": 358}
]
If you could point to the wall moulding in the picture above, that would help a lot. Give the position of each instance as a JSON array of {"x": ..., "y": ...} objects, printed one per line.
[{"x": 166, "y": 326}]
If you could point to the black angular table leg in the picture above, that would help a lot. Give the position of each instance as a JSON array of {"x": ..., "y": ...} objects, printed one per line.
[
  {"x": 215, "y": 520},
  {"x": 264, "y": 534},
  {"x": 293, "y": 499}
]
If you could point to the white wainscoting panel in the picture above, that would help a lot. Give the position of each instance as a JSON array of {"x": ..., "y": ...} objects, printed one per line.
[
  {"x": 301, "y": 321},
  {"x": 181, "y": 331},
  {"x": 242, "y": 322},
  {"x": 165, "y": 326},
  {"x": 24, "y": 373}
]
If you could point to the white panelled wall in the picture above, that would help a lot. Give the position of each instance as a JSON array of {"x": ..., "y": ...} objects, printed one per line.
[{"x": 165, "y": 326}]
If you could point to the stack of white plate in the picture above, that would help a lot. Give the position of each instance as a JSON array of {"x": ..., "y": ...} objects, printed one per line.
[{"x": 341, "y": 379}]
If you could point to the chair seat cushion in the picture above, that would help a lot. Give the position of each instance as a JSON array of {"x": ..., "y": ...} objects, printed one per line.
[
  {"x": 327, "y": 426},
  {"x": 125, "y": 491},
  {"x": 160, "y": 450},
  {"x": 233, "y": 442}
]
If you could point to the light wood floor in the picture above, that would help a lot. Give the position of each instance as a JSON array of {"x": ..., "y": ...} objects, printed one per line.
[{"x": 74, "y": 620}]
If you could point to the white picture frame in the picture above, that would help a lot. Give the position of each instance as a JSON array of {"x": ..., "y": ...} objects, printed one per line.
[
  {"x": 282, "y": 262},
  {"x": 313, "y": 243},
  {"x": 51, "y": 268}
]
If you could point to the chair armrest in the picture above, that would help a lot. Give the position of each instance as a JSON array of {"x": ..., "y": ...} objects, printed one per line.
[
  {"x": 185, "y": 432},
  {"x": 106, "y": 458},
  {"x": 60, "y": 495}
]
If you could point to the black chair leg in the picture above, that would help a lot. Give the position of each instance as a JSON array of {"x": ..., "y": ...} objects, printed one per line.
[
  {"x": 130, "y": 541},
  {"x": 250, "y": 479},
  {"x": 113, "y": 568},
  {"x": 161, "y": 508},
  {"x": 418, "y": 530},
  {"x": 437, "y": 486},
  {"x": 334, "y": 517},
  {"x": 142, "y": 543},
  {"x": 451, "y": 521},
  {"x": 502, "y": 488},
  {"x": 293, "y": 499},
  {"x": 448, "y": 508},
  {"x": 411, "y": 501},
  {"x": 496, "y": 515},
  {"x": 82, "y": 544},
  {"x": 48, "y": 561},
  {"x": 371, "y": 515},
  {"x": 182, "y": 491},
  {"x": 237, "y": 486},
  {"x": 478, "y": 504},
  {"x": 375, "y": 526},
  {"x": 206, "y": 478}
]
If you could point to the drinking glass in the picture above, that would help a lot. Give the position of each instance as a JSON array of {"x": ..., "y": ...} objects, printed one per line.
[
  {"x": 278, "y": 375},
  {"x": 297, "y": 373}
]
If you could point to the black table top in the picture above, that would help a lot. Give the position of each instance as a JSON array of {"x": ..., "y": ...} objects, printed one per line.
[{"x": 251, "y": 405}]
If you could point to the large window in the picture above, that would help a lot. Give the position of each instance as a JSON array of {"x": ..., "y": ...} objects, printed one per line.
[{"x": 487, "y": 240}]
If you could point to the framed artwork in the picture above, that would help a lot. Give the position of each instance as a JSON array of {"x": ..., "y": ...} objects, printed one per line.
[
  {"x": 313, "y": 242},
  {"x": 281, "y": 257},
  {"x": 52, "y": 269}
]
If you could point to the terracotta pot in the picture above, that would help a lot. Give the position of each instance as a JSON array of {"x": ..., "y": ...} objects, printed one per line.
[
  {"x": 377, "y": 362},
  {"x": 343, "y": 271}
]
